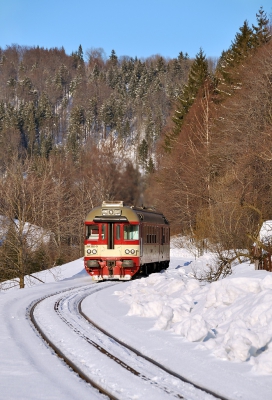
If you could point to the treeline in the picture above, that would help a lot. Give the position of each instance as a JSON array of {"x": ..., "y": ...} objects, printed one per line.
[
  {"x": 214, "y": 173},
  {"x": 73, "y": 133},
  {"x": 51, "y": 100}
]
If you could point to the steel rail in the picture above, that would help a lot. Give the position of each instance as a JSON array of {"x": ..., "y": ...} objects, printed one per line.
[
  {"x": 82, "y": 374},
  {"x": 111, "y": 356},
  {"x": 58, "y": 352},
  {"x": 140, "y": 354}
]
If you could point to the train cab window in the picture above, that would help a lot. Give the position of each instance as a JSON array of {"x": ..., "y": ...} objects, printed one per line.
[
  {"x": 92, "y": 232},
  {"x": 131, "y": 232}
]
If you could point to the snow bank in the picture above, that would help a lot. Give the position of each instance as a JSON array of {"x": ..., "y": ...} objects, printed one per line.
[
  {"x": 232, "y": 317},
  {"x": 71, "y": 270}
]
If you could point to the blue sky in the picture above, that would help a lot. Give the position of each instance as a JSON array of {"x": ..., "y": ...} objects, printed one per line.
[{"x": 139, "y": 28}]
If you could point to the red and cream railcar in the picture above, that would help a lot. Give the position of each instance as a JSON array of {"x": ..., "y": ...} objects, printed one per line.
[{"x": 121, "y": 241}]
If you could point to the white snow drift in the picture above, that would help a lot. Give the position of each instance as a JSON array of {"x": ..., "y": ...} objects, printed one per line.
[{"x": 231, "y": 317}]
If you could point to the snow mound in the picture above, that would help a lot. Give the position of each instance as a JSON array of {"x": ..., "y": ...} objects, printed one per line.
[{"x": 232, "y": 317}]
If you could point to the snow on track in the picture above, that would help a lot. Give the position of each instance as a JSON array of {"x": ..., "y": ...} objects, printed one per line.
[
  {"x": 231, "y": 380},
  {"x": 29, "y": 369},
  {"x": 150, "y": 382}
]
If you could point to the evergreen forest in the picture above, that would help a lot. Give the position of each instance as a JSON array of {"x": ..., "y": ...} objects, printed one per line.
[{"x": 191, "y": 137}]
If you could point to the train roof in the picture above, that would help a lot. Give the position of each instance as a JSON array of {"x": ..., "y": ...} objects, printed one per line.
[{"x": 116, "y": 211}]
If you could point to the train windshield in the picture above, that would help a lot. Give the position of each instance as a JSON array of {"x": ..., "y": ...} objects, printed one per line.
[
  {"x": 92, "y": 232},
  {"x": 96, "y": 232},
  {"x": 131, "y": 232}
]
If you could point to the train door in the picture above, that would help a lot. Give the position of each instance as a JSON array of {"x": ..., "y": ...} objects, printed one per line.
[{"x": 113, "y": 246}]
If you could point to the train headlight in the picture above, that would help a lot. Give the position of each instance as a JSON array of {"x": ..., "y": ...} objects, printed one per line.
[
  {"x": 132, "y": 251},
  {"x": 89, "y": 251},
  {"x": 127, "y": 251},
  {"x": 94, "y": 251}
]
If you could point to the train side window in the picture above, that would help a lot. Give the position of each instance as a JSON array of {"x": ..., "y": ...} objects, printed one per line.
[
  {"x": 145, "y": 233},
  {"x": 92, "y": 232},
  {"x": 131, "y": 232},
  {"x": 118, "y": 232},
  {"x": 103, "y": 232},
  {"x": 162, "y": 235}
]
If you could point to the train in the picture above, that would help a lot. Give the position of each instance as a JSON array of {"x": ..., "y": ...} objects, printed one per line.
[{"x": 122, "y": 242}]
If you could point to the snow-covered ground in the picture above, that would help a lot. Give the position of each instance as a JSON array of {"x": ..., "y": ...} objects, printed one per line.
[{"x": 219, "y": 335}]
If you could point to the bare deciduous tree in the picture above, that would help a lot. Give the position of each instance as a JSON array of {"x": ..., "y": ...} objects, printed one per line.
[{"x": 26, "y": 240}]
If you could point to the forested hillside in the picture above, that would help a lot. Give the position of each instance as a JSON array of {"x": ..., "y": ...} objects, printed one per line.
[
  {"x": 214, "y": 174},
  {"x": 185, "y": 135},
  {"x": 72, "y": 134},
  {"x": 52, "y": 100}
]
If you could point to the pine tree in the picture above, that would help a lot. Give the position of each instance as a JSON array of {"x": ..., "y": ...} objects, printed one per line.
[
  {"x": 197, "y": 76},
  {"x": 150, "y": 168},
  {"x": 143, "y": 153},
  {"x": 78, "y": 60},
  {"x": 80, "y": 53},
  {"x": 182, "y": 57},
  {"x": 31, "y": 128},
  {"x": 261, "y": 30},
  {"x": 240, "y": 48},
  {"x": 160, "y": 65},
  {"x": 62, "y": 79},
  {"x": 76, "y": 131},
  {"x": 243, "y": 43},
  {"x": 113, "y": 58},
  {"x": 95, "y": 72}
]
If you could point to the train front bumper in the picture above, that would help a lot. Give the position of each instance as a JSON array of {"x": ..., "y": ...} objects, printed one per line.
[{"x": 98, "y": 278}]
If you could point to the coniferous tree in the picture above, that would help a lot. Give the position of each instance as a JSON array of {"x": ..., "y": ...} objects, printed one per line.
[
  {"x": 230, "y": 59},
  {"x": 243, "y": 43},
  {"x": 143, "y": 153},
  {"x": 113, "y": 58},
  {"x": 80, "y": 53},
  {"x": 261, "y": 30},
  {"x": 197, "y": 76},
  {"x": 78, "y": 60}
]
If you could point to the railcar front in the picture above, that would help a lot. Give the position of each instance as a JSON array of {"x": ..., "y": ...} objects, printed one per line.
[
  {"x": 112, "y": 242},
  {"x": 122, "y": 241}
]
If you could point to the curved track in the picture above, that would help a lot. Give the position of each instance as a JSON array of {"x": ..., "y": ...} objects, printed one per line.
[
  {"x": 58, "y": 351},
  {"x": 128, "y": 363}
]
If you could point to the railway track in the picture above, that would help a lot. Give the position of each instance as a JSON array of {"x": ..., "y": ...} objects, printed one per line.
[{"x": 126, "y": 363}]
